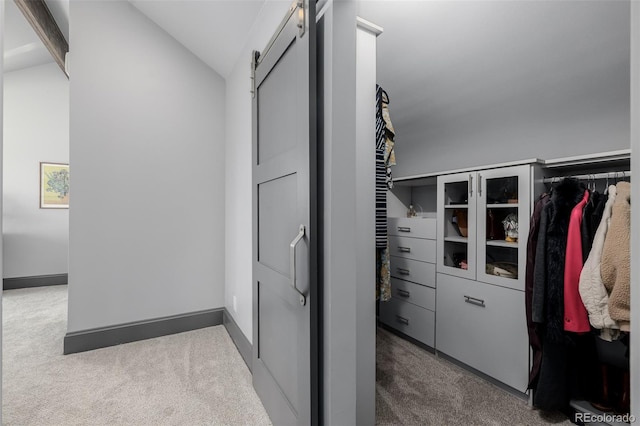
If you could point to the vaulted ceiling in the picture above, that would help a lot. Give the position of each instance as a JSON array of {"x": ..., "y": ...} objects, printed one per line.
[
  {"x": 22, "y": 47},
  {"x": 213, "y": 30}
]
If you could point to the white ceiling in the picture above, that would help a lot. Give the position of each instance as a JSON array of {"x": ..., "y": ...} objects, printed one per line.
[
  {"x": 492, "y": 45},
  {"x": 213, "y": 30},
  {"x": 22, "y": 47},
  {"x": 447, "y": 63}
]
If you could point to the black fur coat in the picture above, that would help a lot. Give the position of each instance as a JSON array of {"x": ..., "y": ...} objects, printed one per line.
[
  {"x": 548, "y": 285},
  {"x": 565, "y": 356}
]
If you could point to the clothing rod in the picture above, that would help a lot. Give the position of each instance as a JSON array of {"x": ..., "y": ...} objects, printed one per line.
[{"x": 592, "y": 176}]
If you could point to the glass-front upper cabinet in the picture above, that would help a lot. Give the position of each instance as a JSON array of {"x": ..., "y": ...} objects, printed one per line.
[
  {"x": 504, "y": 204},
  {"x": 457, "y": 224},
  {"x": 483, "y": 224}
]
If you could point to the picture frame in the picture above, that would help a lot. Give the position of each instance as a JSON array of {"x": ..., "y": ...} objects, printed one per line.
[{"x": 54, "y": 185}]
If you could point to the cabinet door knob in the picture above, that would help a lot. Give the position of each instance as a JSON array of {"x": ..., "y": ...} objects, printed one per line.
[
  {"x": 474, "y": 301},
  {"x": 404, "y": 293},
  {"x": 403, "y": 271}
]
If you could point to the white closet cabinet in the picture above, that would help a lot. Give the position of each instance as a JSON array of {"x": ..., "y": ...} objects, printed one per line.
[
  {"x": 481, "y": 269},
  {"x": 471, "y": 209},
  {"x": 484, "y": 326},
  {"x": 457, "y": 224},
  {"x": 412, "y": 307}
]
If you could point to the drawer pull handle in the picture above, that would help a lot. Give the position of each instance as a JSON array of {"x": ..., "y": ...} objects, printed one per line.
[
  {"x": 404, "y": 229},
  {"x": 402, "y": 320},
  {"x": 404, "y": 249},
  {"x": 474, "y": 301},
  {"x": 403, "y": 271},
  {"x": 404, "y": 293}
]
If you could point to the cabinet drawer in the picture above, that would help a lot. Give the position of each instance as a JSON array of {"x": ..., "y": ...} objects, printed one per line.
[
  {"x": 425, "y": 297},
  {"x": 413, "y": 270},
  {"x": 409, "y": 319},
  {"x": 412, "y": 227},
  {"x": 413, "y": 248},
  {"x": 484, "y": 326}
]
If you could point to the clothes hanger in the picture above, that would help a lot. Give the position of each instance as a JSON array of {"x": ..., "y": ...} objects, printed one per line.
[{"x": 388, "y": 101}]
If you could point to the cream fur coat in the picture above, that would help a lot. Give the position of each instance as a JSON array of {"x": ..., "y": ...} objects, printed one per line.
[{"x": 615, "y": 266}]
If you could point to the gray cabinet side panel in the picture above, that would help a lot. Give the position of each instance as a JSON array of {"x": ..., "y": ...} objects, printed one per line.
[
  {"x": 635, "y": 214},
  {"x": 345, "y": 354}
]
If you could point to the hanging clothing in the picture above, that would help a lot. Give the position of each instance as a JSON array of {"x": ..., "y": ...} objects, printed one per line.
[
  {"x": 548, "y": 287},
  {"x": 381, "y": 185},
  {"x": 576, "y": 318},
  {"x": 591, "y": 217},
  {"x": 383, "y": 262},
  {"x": 383, "y": 275},
  {"x": 557, "y": 372},
  {"x": 390, "y": 134},
  {"x": 535, "y": 340},
  {"x": 592, "y": 290},
  {"x": 615, "y": 264}
]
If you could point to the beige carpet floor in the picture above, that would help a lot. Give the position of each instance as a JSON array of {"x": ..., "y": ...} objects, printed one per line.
[
  {"x": 192, "y": 378},
  {"x": 199, "y": 378},
  {"x": 415, "y": 387}
]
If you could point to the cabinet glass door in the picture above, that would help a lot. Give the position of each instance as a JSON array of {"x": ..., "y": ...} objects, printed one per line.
[
  {"x": 457, "y": 225},
  {"x": 503, "y": 225}
]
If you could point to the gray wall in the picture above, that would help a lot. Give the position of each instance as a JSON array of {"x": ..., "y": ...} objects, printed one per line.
[
  {"x": 36, "y": 100},
  {"x": 147, "y": 149},
  {"x": 478, "y": 83}
]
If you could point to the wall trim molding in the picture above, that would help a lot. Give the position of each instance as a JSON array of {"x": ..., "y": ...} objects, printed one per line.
[
  {"x": 239, "y": 339},
  {"x": 86, "y": 340},
  {"x": 35, "y": 281}
]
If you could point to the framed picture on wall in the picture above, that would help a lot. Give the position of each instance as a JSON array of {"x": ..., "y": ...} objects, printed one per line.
[{"x": 54, "y": 186}]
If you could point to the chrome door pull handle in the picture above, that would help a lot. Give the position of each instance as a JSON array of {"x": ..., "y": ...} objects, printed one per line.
[
  {"x": 404, "y": 249},
  {"x": 479, "y": 185},
  {"x": 470, "y": 186},
  {"x": 474, "y": 301},
  {"x": 292, "y": 263},
  {"x": 404, "y": 229},
  {"x": 404, "y": 293},
  {"x": 403, "y": 271},
  {"x": 402, "y": 320}
]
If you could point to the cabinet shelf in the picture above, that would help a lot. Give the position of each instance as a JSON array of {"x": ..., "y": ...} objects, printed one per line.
[
  {"x": 502, "y": 243},
  {"x": 456, "y": 206},
  {"x": 456, "y": 239},
  {"x": 503, "y": 206}
]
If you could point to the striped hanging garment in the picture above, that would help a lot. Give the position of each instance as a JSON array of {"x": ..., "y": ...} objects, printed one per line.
[
  {"x": 381, "y": 178},
  {"x": 383, "y": 273}
]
